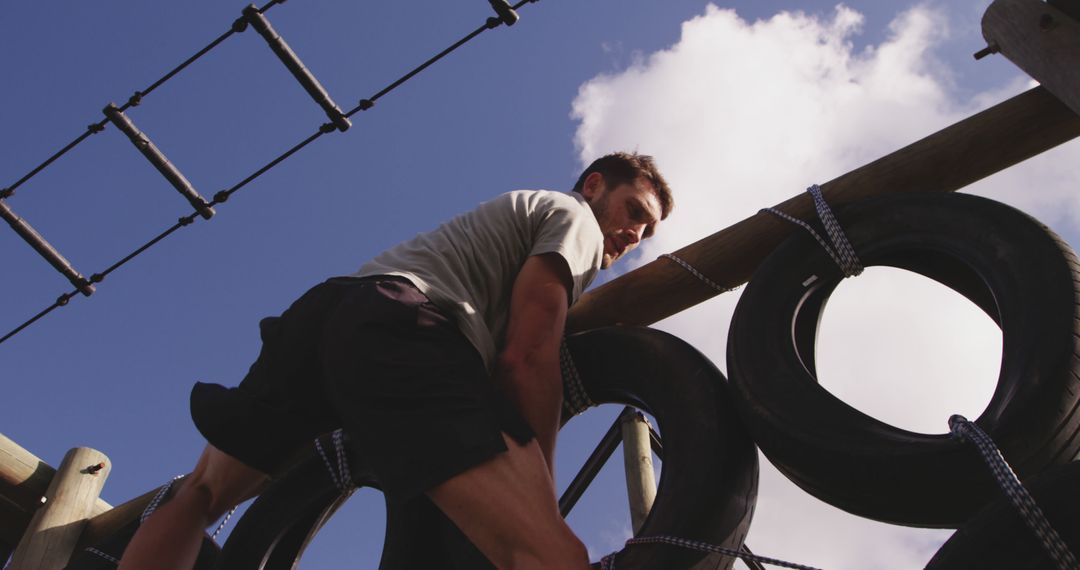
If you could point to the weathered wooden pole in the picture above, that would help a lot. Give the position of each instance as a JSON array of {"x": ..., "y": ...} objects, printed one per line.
[
  {"x": 637, "y": 459},
  {"x": 55, "y": 528},
  {"x": 1040, "y": 39},
  {"x": 24, "y": 479},
  {"x": 972, "y": 149}
]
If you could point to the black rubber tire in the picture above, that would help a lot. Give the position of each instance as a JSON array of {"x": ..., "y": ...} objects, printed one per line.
[
  {"x": 707, "y": 488},
  {"x": 997, "y": 538},
  {"x": 708, "y": 482},
  {"x": 1014, "y": 268}
]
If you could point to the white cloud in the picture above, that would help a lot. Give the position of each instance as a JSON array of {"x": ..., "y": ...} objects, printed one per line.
[{"x": 742, "y": 115}]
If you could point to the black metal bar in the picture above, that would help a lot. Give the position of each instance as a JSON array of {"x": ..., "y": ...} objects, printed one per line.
[
  {"x": 593, "y": 465},
  {"x": 296, "y": 67},
  {"x": 155, "y": 156},
  {"x": 751, "y": 564},
  {"x": 46, "y": 250}
]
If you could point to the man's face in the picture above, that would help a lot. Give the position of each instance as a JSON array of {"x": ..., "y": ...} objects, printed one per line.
[{"x": 627, "y": 213}]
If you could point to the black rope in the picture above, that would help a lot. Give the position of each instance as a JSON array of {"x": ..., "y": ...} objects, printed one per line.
[
  {"x": 491, "y": 23},
  {"x": 224, "y": 195},
  {"x": 132, "y": 101}
]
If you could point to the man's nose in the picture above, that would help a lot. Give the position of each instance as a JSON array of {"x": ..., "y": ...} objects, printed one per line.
[{"x": 636, "y": 232}]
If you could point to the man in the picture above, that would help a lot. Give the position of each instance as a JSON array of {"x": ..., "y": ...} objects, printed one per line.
[{"x": 440, "y": 358}]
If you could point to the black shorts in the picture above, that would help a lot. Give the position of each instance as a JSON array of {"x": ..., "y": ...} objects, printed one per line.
[{"x": 373, "y": 356}]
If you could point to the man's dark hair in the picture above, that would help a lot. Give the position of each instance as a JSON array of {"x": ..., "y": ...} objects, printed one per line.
[{"x": 622, "y": 167}]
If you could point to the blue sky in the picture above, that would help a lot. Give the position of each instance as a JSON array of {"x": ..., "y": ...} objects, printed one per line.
[{"x": 518, "y": 108}]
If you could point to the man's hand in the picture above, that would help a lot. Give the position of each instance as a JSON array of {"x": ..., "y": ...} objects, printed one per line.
[{"x": 527, "y": 369}]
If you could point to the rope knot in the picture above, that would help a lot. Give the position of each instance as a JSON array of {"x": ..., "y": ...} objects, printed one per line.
[
  {"x": 1014, "y": 490},
  {"x": 841, "y": 250},
  {"x": 339, "y": 472}
]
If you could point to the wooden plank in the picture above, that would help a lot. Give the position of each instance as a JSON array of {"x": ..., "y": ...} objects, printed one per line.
[
  {"x": 640, "y": 476},
  {"x": 24, "y": 480},
  {"x": 72, "y": 494},
  {"x": 976, "y": 147},
  {"x": 1041, "y": 40}
]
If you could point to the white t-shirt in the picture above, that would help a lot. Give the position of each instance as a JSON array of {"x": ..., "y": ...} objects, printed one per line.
[{"x": 467, "y": 266}]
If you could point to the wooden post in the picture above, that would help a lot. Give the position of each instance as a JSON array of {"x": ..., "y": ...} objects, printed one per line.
[
  {"x": 53, "y": 532},
  {"x": 24, "y": 479},
  {"x": 985, "y": 143},
  {"x": 103, "y": 525},
  {"x": 1041, "y": 40},
  {"x": 637, "y": 458}
]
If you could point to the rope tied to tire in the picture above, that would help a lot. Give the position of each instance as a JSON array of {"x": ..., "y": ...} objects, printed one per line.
[
  {"x": 608, "y": 562},
  {"x": 841, "y": 250},
  {"x": 339, "y": 470},
  {"x": 575, "y": 399},
  {"x": 965, "y": 430},
  {"x": 162, "y": 495}
]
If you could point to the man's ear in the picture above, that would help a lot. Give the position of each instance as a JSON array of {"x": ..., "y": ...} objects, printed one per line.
[{"x": 593, "y": 186}]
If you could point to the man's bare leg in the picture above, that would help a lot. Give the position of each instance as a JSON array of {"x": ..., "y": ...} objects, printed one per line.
[
  {"x": 171, "y": 537},
  {"x": 507, "y": 508}
]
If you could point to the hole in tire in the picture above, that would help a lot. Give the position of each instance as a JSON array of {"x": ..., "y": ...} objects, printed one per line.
[{"x": 907, "y": 350}]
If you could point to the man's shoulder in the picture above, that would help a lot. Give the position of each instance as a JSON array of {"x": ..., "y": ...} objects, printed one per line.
[{"x": 537, "y": 200}]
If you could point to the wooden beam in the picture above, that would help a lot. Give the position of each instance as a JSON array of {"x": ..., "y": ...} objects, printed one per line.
[
  {"x": 638, "y": 464},
  {"x": 972, "y": 149},
  {"x": 53, "y": 532},
  {"x": 1041, "y": 40},
  {"x": 24, "y": 480}
]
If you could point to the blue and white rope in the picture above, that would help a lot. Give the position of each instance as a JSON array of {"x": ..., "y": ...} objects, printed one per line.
[
  {"x": 339, "y": 473},
  {"x": 159, "y": 498},
  {"x": 1006, "y": 478},
  {"x": 608, "y": 562},
  {"x": 841, "y": 250},
  {"x": 224, "y": 522},
  {"x": 575, "y": 399},
  {"x": 108, "y": 557},
  {"x": 701, "y": 276}
]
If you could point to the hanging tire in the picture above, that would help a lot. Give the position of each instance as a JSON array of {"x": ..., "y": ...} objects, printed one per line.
[
  {"x": 1021, "y": 274},
  {"x": 707, "y": 489},
  {"x": 998, "y": 538},
  {"x": 708, "y": 484}
]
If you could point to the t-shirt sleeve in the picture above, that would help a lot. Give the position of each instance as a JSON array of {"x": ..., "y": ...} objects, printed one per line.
[{"x": 567, "y": 227}]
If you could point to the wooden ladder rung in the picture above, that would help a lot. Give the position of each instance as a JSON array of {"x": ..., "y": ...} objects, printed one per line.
[
  {"x": 46, "y": 250},
  {"x": 157, "y": 158},
  {"x": 296, "y": 67}
]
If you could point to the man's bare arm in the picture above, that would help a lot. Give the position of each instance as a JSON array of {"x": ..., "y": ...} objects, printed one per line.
[{"x": 527, "y": 369}]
